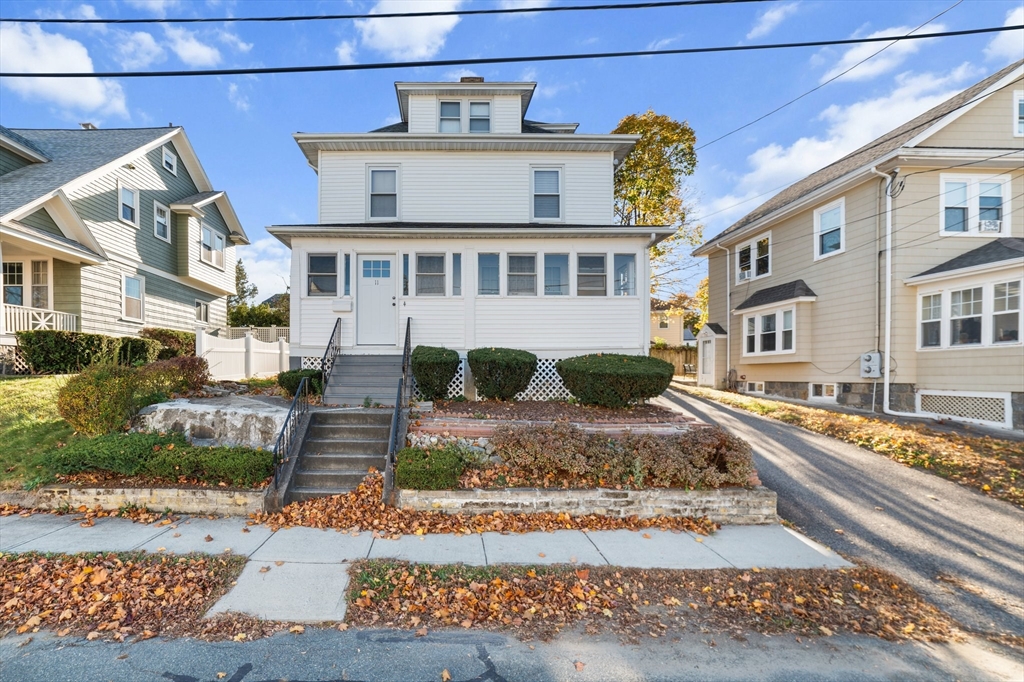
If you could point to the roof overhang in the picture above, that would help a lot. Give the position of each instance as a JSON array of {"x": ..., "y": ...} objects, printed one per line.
[
  {"x": 285, "y": 233},
  {"x": 404, "y": 89},
  {"x": 706, "y": 332},
  {"x": 774, "y": 305},
  {"x": 1016, "y": 263},
  {"x": 42, "y": 243},
  {"x": 223, "y": 203},
  {"x": 22, "y": 150},
  {"x": 313, "y": 143},
  {"x": 65, "y": 216}
]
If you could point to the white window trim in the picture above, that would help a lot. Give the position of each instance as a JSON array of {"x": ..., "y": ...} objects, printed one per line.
[
  {"x": 207, "y": 307},
  {"x": 469, "y": 115},
  {"x": 570, "y": 267},
  {"x": 778, "y": 312},
  {"x": 973, "y": 203},
  {"x": 168, "y": 154},
  {"x": 121, "y": 186},
  {"x": 1018, "y": 95},
  {"x": 822, "y": 398},
  {"x": 561, "y": 193},
  {"x": 142, "y": 295},
  {"x": 167, "y": 210},
  {"x": 462, "y": 114},
  {"x": 987, "y": 312},
  {"x": 26, "y": 269},
  {"x": 752, "y": 243},
  {"x": 214, "y": 234},
  {"x": 398, "y": 192},
  {"x": 339, "y": 275},
  {"x": 755, "y": 390},
  {"x": 445, "y": 274},
  {"x": 841, "y": 205},
  {"x": 537, "y": 286}
]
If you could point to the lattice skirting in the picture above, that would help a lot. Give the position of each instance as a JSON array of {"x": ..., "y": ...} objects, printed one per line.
[
  {"x": 545, "y": 384},
  {"x": 12, "y": 361},
  {"x": 983, "y": 408},
  {"x": 312, "y": 362},
  {"x": 456, "y": 388}
]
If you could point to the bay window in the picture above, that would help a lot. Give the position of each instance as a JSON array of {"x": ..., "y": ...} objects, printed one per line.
[
  {"x": 456, "y": 274},
  {"x": 212, "y": 247},
  {"x": 753, "y": 259},
  {"x": 974, "y": 205},
  {"x": 1006, "y": 312},
  {"x": 965, "y": 317},
  {"x": 931, "y": 320},
  {"x": 985, "y": 314},
  {"x": 772, "y": 331}
]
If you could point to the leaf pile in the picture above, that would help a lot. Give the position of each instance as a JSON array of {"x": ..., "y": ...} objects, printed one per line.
[
  {"x": 110, "y": 596},
  {"x": 362, "y": 510},
  {"x": 991, "y": 465},
  {"x": 540, "y": 601},
  {"x": 133, "y": 512}
]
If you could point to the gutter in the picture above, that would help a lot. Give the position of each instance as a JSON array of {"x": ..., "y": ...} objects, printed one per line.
[{"x": 728, "y": 317}]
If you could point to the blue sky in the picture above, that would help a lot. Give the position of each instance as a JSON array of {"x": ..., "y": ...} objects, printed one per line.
[{"x": 241, "y": 126}]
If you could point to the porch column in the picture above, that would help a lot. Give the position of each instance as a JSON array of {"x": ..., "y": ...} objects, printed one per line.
[{"x": 3, "y": 314}]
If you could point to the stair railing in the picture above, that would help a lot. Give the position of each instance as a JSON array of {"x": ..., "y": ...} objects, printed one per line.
[
  {"x": 286, "y": 439},
  {"x": 401, "y": 401},
  {"x": 333, "y": 351}
]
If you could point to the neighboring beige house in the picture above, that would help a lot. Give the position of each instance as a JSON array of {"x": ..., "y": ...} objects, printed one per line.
[
  {"x": 665, "y": 325},
  {"x": 890, "y": 278}
]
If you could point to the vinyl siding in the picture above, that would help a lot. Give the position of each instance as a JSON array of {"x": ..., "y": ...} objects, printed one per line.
[
  {"x": 67, "y": 287},
  {"x": 674, "y": 334},
  {"x": 9, "y": 161},
  {"x": 485, "y": 186},
  {"x": 201, "y": 270},
  {"x": 41, "y": 220},
  {"x": 172, "y": 305},
  {"x": 422, "y": 114},
  {"x": 506, "y": 114},
  {"x": 990, "y": 124}
]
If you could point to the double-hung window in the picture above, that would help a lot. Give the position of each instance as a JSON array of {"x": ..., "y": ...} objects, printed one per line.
[
  {"x": 133, "y": 302},
  {"x": 40, "y": 284},
  {"x": 383, "y": 193},
  {"x": 430, "y": 274},
  {"x": 479, "y": 117},
  {"x": 931, "y": 321},
  {"x": 128, "y": 204},
  {"x": 1006, "y": 312},
  {"x": 213, "y": 247},
  {"x": 754, "y": 259},
  {"x": 1018, "y": 113},
  {"x": 547, "y": 194},
  {"x": 322, "y": 275},
  {"x": 14, "y": 283},
  {"x": 829, "y": 229},
  {"x": 522, "y": 275},
  {"x": 202, "y": 311},
  {"x": 663, "y": 322},
  {"x": 625, "y": 274},
  {"x": 983, "y": 315},
  {"x": 769, "y": 332},
  {"x": 556, "y": 274},
  {"x": 162, "y": 222},
  {"x": 488, "y": 274},
  {"x": 170, "y": 161},
  {"x": 591, "y": 275},
  {"x": 974, "y": 205},
  {"x": 965, "y": 309},
  {"x": 451, "y": 118}
]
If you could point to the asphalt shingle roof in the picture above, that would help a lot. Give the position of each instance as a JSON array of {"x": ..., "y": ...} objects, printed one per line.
[
  {"x": 7, "y": 132},
  {"x": 199, "y": 197},
  {"x": 783, "y": 292},
  {"x": 716, "y": 328},
  {"x": 1007, "y": 248},
  {"x": 873, "y": 151},
  {"x": 73, "y": 153}
]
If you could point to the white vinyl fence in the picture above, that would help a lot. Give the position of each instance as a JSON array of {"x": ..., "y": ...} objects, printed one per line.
[
  {"x": 244, "y": 358},
  {"x": 266, "y": 334}
]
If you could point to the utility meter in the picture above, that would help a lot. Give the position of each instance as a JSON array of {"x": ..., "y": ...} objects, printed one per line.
[{"x": 871, "y": 366}]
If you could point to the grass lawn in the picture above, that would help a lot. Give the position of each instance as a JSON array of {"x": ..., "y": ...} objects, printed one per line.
[
  {"x": 991, "y": 465},
  {"x": 29, "y": 426}
]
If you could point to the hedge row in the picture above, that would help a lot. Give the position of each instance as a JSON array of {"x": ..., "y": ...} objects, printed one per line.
[
  {"x": 612, "y": 380},
  {"x": 49, "y": 351},
  {"x": 175, "y": 343},
  {"x": 289, "y": 381}
]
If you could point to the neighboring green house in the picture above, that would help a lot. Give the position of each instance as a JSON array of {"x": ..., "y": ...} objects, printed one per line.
[{"x": 110, "y": 231}]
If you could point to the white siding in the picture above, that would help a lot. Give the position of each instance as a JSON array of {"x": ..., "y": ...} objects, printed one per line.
[
  {"x": 484, "y": 186},
  {"x": 506, "y": 114},
  {"x": 422, "y": 114}
]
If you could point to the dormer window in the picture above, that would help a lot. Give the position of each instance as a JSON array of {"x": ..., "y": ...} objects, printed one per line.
[
  {"x": 170, "y": 161},
  {"x": 479, "y": 117},
  {"x": 451, "y": 118}
]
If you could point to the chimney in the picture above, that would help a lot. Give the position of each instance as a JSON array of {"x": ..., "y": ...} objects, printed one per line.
[
  {"x": 471, "y": 79},
  {"x": 87, "y": 126}
]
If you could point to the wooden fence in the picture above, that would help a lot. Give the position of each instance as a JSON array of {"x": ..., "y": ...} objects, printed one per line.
[{"x": 683, "y": 359}]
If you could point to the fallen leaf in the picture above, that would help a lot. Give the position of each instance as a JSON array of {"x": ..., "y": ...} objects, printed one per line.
[
  {"x": 92, "y": 635},
  {"x": 343, "y": 626},
  {"x": 240, "y": 637},
  {"x": 825, "y": 631},
  {"x": 579, "y": 666},
  {"x": 583, "y": 574},
  {"x": 541, "y": 555},
  {"x": 209, "y": 538},
  {"x": 297, "y": 629},
  {"x": 265, "y": 569},
  {"x": 422, "y": 632},
  {"x": 279, "y": 563},
  {"x": 246, "y": 530},
  {"x": 221, "y": 676},
  {"x": 647, "y": 536},
  {"x": 446, "y": 676}
]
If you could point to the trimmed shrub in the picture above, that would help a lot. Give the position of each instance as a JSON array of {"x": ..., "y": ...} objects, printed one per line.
[
  {"x": 612, "y": 380},
  {"x": 434, "y": 368},
  {"x": 137, "y": 351},
  {"x": 175, "y": 343},
  {"x": 501, "y": 372},
  {"x": 559, "y": 449},
  {"x": 101, "y": 399},
  {"x": 56, "y": 352},
  {"x": 176, "y": 375},
  {"x": 240, "y": 467},
  {"x": 420, "y": 469},
  {"x": 119, "y": 453},
  {"x": 289, "y": 381}
]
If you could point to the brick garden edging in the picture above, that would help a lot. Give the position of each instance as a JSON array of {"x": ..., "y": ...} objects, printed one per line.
[
  {"x": 182, "y": 500},
  {"x": 737, "y": 506}
]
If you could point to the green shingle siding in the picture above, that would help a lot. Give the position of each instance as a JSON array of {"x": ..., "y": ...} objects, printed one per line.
[
  {"x": 9, "y": 161},
  {"x": 67, "y": 287},
  {"x": 41, "y": 220},
  {"x": 173, "y": 305}
]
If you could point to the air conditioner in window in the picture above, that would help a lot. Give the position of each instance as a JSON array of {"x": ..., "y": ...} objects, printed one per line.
[
  {"x": 744, "y": 274},
  {"x": 990, "y": 225}
]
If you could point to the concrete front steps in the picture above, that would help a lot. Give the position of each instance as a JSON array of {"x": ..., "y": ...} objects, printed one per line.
[
  {"x": 339, "y": 449},
  {"x": 358, "y": 377}
]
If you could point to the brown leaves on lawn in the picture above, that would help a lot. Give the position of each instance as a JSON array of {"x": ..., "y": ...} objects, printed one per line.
[
  {"x": 362, "y": 510},
  {"x": 540, "y": 601},
  {"x": 109, "y": 596}
]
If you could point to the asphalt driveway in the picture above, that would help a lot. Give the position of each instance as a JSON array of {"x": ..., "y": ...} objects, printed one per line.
[{"x": 958, "y": 548}]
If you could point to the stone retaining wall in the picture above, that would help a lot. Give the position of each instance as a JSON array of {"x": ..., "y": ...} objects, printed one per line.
[
  {"x": 741, "y": 506},
  {"x": 185, "y": 501}
]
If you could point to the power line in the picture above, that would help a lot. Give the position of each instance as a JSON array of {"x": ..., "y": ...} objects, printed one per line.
[
  {"x": 820, "y": 86},
  {"x": 504, "y": 60},
  {"x": 389, "y": 15}
]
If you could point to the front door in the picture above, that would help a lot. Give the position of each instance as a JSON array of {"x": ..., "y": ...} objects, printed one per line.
[
  {"x": 375, "y": 301},
  {"x": 706, "y": 361}
]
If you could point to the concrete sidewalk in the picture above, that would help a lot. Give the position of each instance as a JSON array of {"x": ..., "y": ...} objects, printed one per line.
[{"x": 282, "y": 564}]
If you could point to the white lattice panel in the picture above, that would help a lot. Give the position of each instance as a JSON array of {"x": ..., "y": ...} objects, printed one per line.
[
  {"x": 12, "y": 361},
  {"x": 312, "y": 363},
  {"x": 977, "y": 408},
  {"x": 545, "y": 384},
  {"x": 456, "y": 388}
]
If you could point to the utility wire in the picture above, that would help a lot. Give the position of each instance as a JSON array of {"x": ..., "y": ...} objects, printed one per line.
[
  {"x": 390, "y": 15},
  {"x": 504, "y": 60},
  {"x": 820, "y": 86}
]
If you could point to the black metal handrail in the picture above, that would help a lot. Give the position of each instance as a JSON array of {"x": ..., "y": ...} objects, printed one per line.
[
  {"x": 407, "y": 362},
  {"x": 401, "y": 401},
  {"x": 285, "y": 440},
  {"x": 333, "y": 350}
]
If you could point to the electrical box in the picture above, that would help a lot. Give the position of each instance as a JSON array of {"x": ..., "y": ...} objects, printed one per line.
[{"x": 871, "y": 366}]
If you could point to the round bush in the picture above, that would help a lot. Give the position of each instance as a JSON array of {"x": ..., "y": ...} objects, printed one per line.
[
  {"x": 289, "y": 381},
  {"x": 501, "y": 372},
  {"x": 175, "y": 343},
  {"x": 434, "y": 368},
  {"x": 612, "y": 380},
  {"x": 136, "y": 351},
  {"x": 48, "y": 351},
  {"x": 102, "y": 399}
]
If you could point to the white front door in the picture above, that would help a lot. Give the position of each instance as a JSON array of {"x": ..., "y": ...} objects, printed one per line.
[
  {"x": 706, "y": 362},
  {"x": 375, "y": 301}
]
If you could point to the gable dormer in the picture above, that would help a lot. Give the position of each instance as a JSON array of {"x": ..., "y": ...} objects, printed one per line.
[{"x": 17, "y": 152}]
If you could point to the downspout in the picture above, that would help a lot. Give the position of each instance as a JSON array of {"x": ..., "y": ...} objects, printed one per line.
[
  {"x": 888, "y": 295},
  {"x": 728, "y": 306}
]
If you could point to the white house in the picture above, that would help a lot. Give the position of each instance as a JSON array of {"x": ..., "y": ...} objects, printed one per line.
[{"x": 482, "y": 227}]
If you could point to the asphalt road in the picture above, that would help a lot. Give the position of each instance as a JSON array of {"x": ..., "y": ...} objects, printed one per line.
[{"x": 961, "y": 550}]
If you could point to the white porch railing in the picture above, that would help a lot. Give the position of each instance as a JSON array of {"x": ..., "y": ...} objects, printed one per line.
[
  {"x": 264, "y": 334},
  {"x": 233, "y": 359},
  {"x": 21, "y": 319}
]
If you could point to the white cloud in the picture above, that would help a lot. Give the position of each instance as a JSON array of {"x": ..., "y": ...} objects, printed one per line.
[
  {"x": 27, "y": 48},
  {"x": 456, "y": 74},
  {"x": 848, "y": 128},
  {"x": 267, "y": 263},
  {"x": 1009, "y": 45},
  {"x": 137, "y": 50},
  {"x": 770, "y": 19},
  {"x": 233, "y": 41},
  {"x": 408, "y": 38},
  {"x": 237, "y": 97},
  {"x": 663, "y": 43},
  {"x": 523, "y": 4},
  {"x": 157, "y": 7},
  {"x": 190, "y": 49},
  {"x": 346, "y": 52},
  {"x": 888, "y": 60}
]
